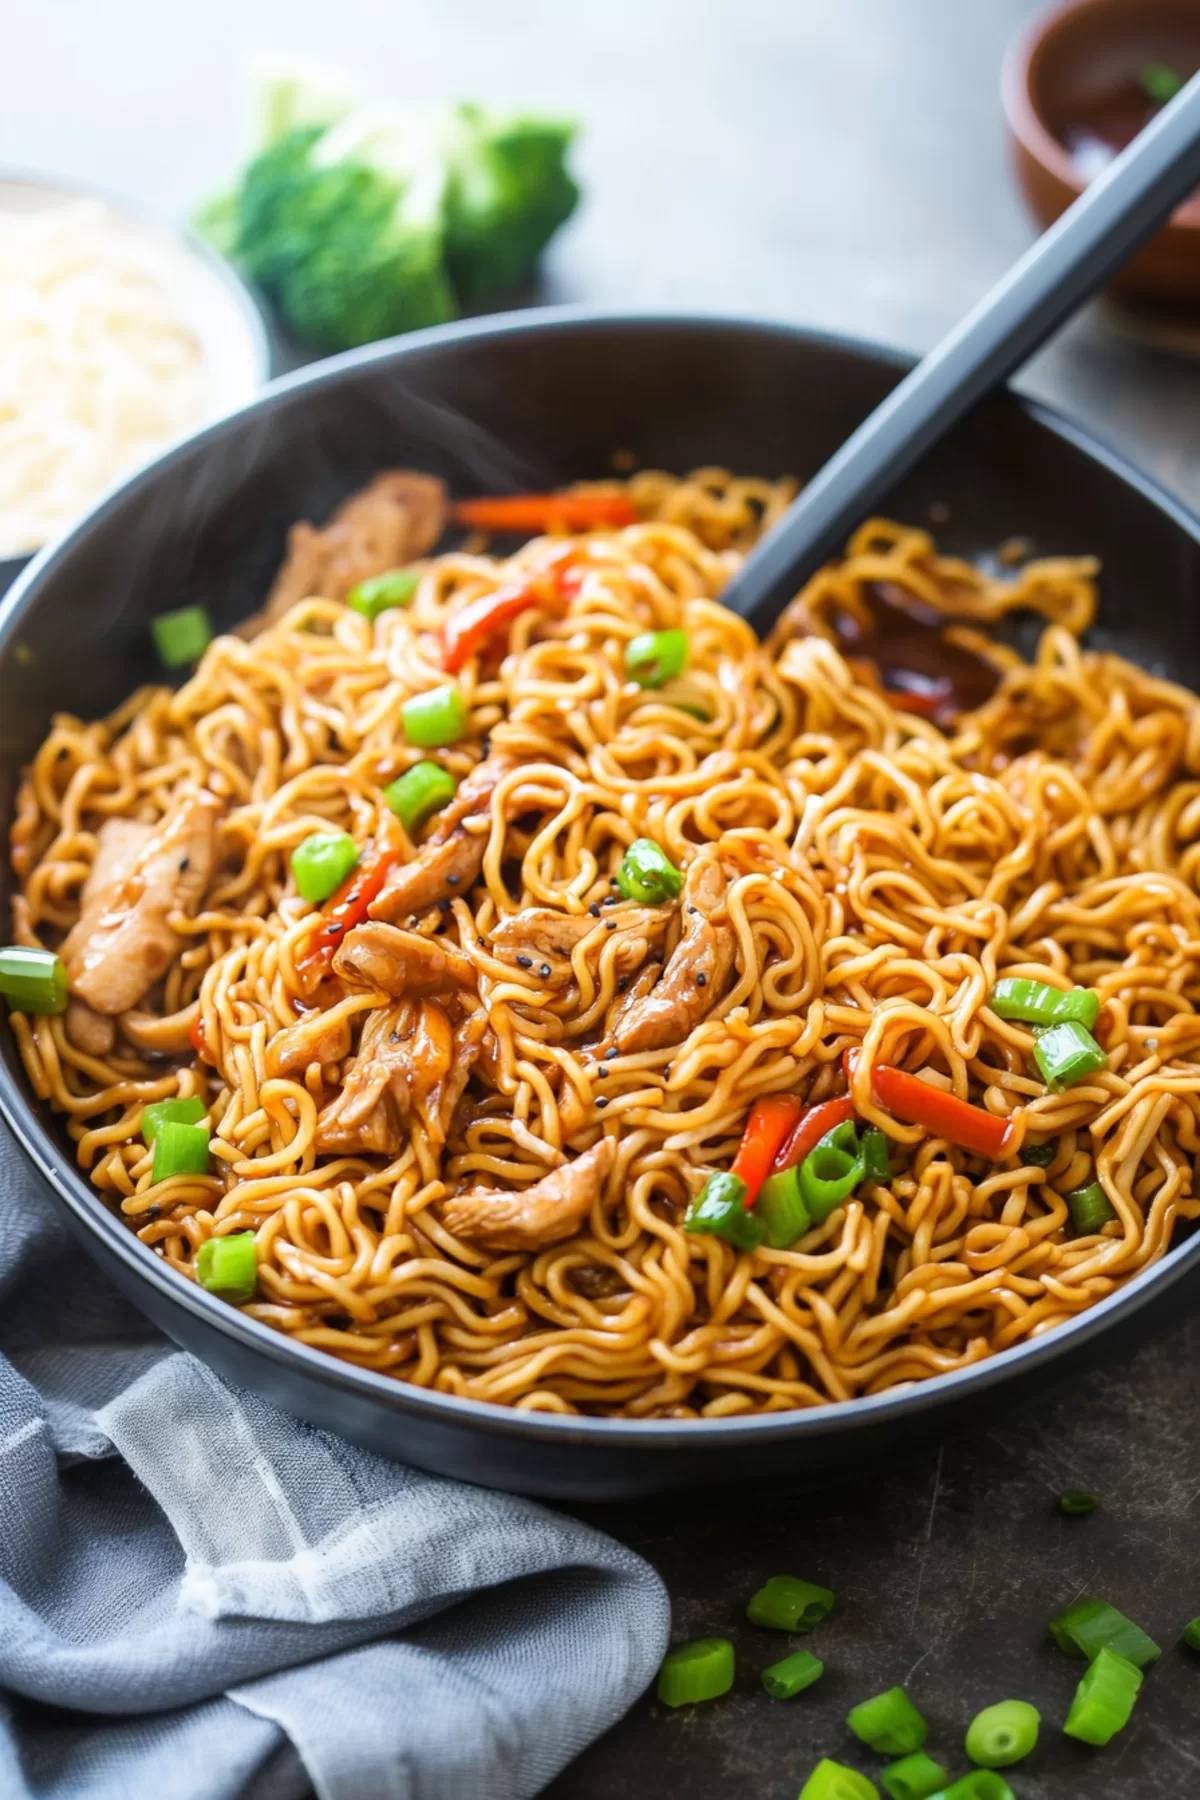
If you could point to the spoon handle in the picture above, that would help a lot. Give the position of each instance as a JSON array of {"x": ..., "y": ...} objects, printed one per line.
[{"x": 1065, "y": 267}]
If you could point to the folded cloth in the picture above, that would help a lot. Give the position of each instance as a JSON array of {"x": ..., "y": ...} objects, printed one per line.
[{"x": 231, "y": 1603}]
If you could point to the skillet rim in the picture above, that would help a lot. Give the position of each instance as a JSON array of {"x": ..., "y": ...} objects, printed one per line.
[{"x": 799, "y": 1426}]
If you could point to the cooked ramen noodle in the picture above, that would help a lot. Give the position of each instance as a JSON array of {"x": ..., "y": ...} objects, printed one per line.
[{"x": 526, "y": 1110}]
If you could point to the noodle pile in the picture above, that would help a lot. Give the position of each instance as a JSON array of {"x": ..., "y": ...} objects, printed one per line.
[{"x": 882, "y": 875}]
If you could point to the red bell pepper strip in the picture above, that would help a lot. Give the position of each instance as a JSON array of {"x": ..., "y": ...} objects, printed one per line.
[
  {"x": 196, "y": 1038},
  {"x": 916, "y": 1102},
  {"x": 530, "y": 514},
  {"x": 345, "y": 910},
  {"x": 811, "y": 1127},
  {"x": 770, "y": 1121},
  {"x": 469, "y": 629}
]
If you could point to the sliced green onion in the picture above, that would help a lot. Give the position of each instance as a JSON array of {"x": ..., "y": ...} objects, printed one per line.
[
  {"x": 1077, "y": 1502},
  {"x": 179, "y": 1150},
  {"x": 1040, "y": 1156},
  {"x": 382, "y": 592},
  {"x": 1104, "y": 1698},
  {"x": 181, "y": 637},
  {"x": 1159, "y": 82},
  {"x": 1003, "y": 1733},
  {"x": 421, "y": 791},
  {"x": 435, "y": 718},
  {"x": 171, "y": 1112},
  {"x": 834, "y": 1781},
  {"x": 1090, "y": 1208},
  {"x": 980, "y": 1784},
  {"x": 321, "y": 863},
  {"x": 33, "y": 980},
  {"x": 648, "y": 875},
  {"x": 719, "y": 1210},
  {"x": 889, "y": 1723},
  {"x": 788, "y": 1604},
  {"x": 791, "y": 1676},
  {"x": 876, "y": 1162},
  {"x": 780, "y": 1206},
  {"x": 831, "y": 1171},
  {"x": 228, "y": 1266},
  {"x": 656, "y": 657},
  {"x": 1191, "y": 1634},
  {"x": 914, "y": 1777},
  {"x": 701, "y": 1670},
  {"x": 1088, "y": 1626},
  {"x": 1037, "y": 1003},
  {"x": 1066, "y": 1054}
]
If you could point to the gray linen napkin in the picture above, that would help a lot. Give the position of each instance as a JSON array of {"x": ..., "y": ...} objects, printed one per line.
[{"x": 241, "y": 1605}]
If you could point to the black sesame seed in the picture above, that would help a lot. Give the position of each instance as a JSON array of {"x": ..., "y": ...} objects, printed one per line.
[
  {"x": 603, "y": 1100},
  {"x": 544, "y": 970},
  {"x": 185, "y": 865},
  {"x": 622, "y": 984},
  {"x": 610, "y": 925},
  {"x": 612, "y": 881},
  {"x": 335, "y": 927},
  {"x": 526, "y": 962},
  {"x": 481, "y": 943},
  {"x": 691, "y": 909},
  {"x": 609, "y": 1054},
  {"x": 443, "y": 905},
  {"x": 350, "y": 898},
  {"x": 613, "y": 900},
  {"x": 453, "y": 880},
  {"x": 700, "y": 980},
  {"x": 594, "y": 910},
  {"x": 602, "y": 1072},
  {"x": 395, "y": 1038}
]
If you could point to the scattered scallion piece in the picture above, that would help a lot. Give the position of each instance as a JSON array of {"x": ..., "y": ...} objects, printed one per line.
[
  {"x": 321, "y": 863},
  {"x": 33, "y": 980},
  {"x": 791, "y": 1676},
  {"x": 780, "y": 1206},
  {"x": 1090, "y": 1208},
  {"x": 914, "y": 1777},
  {"x": 1003, "y": 1733},
  {"x": 181, "y": 637},
  {"x": 382, "y": 592},
  {"x": 421, "y": 791},
  {"x": 1088, "y": 1626},
  {"x": 228, "y": 1266},
  {"x": 831, "y": 1171},
  {"x": 648, "y": 875},
  {"x": 1037, "y": 1003},
  {"x": 435, "y": 718},
  {"x": 1078, "y": 1502},
  {"x": 656, "y": 657},
  {"x": 1191, "y": 1634},
  {"x": 980, "y": 1784},
  {"x": 788, "y": 1604},
  {"x": 834, "y": 1781},
  {"x": 1104, "y": 1698},
  {"x": 1159, "y": 82},
  {"x": 1066, "y": 1054},
  {"x": 1040, "y": 1156},
  {"x": 876, "y": 1162},
  {"x": 719, "y": 1210},
  {"x": 171, "y": 1112},
  {"x": 179, "y": 1150},
  {"x": 889, "y": 1723},
  {"x": 701, "y": 1670}
]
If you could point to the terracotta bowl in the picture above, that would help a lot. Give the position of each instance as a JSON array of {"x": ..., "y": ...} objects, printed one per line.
[{"x": 1069, "y": 63}]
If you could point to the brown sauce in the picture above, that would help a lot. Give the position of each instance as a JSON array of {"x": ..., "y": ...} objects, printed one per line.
[{"x": 905, "y": 647}]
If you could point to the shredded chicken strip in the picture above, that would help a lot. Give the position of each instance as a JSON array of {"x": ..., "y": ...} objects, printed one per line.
[
  {"x": 385, "y": 957},
  {"x": 321, "y": 1038},
  {"x": 548, "y": 939},
  {"x": 410, "y": 1061},
  {"x": 696, "y": 973},
  {"x": 452, "y": 856},
  {"x": 530, "y": 1218}
]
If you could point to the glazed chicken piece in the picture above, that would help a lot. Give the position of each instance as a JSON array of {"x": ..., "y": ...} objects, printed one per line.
[
  {"x": 395, "y": 519},
  {"x": 384, "y": 956},
  {"x": 530, "y": 1218},
  {"x": 410, "y": 1061},
  {"x": 696, "y": 973},
  {"x": 89, "y": 1031},
  {"x": 318, "y": 1039},
  {"x": 549, "y": 938},
  {"x": 121, "y": 943},
  {"x": 452, "y": 856}
]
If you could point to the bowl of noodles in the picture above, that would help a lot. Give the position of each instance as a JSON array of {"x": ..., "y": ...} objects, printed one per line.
[{"x": 468, "y": 989}]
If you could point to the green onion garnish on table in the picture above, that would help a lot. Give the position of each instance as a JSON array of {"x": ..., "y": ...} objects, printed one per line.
[
  {"x": 831, "y": 1171},
  {"x": 228, "y": 1266},
  {"x": 321, "y": 863},
  {"x": 1159, "y": 82},
  {"x": 1104, "y": 1698},
  {"x": 656, "y": 657},
  {"x": 834, "y": 1781},
  {"x": 421, "y": 791},
  {"x": 1066, "y": 1054},
  {"x": 915, "y": 1777},
  {"x": 791, "y": 1676},
  {"x": 1089, "y": 1625},
  {"x": 1037, "y": 1003},
  {"x": 171, "y": 1112},
  {"x": 701, "y": 1670},
  {"x": 648, "y": 875},
  {"x": 1191, "y": 1634},
  {"x": 980, "y": 1784},
  {"x": 719, "y": 1210},
  {"x": 1003, "y": 1733},
  {"x": 435, "y": 718},
  {"x": 382, "y": 592},
  {"x": 181, "y": 637},
  {"x": 179, "y": 1150},
  {"x": 1090, "y": 1208},
  {"x": 787, "y": 1604},
  {"x": 1078, "y": 1502},
  {"x": 889, "y": 1723},
  {"x": 33, "y": 980}
]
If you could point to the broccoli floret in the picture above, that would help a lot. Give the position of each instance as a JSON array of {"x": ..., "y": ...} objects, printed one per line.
[{"x": 509, "y": 192}]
